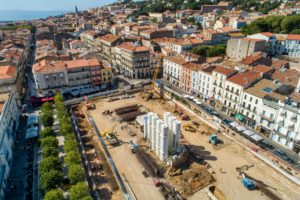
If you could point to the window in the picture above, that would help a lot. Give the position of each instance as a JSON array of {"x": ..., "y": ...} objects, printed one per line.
[
  {"x": 245, "y": 97},
  {"x": 256, "y": 101},
  {"x": 250, "y": 99}
]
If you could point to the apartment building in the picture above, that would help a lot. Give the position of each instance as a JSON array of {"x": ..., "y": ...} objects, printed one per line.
[
  {"x": 9, "y": 122},
  {"x": 234, "y": 88},
  {"x": 52, "y": 76},
  {"x": 173, "y": 68},
  {"x": 220, "y": 6},
  {"x": 219, "y": 76},
  {"x": 89, "y": 37},
  {"x": 105, "y": 45},
  {"x": 204, "y": 84},
  {"x": 179, "y": 45},
  {"x": 188, "y": 71},
  {"x": 292, "y": 45},
  {"x": 241, "y": 48},
  {"x": 154, "y": 33},
  {"x": 133, "y": 60}
]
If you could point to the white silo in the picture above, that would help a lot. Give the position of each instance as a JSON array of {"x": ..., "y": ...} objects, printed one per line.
[
  {"x": 177, "y": 130},
  {"x": 164, "y": 142},
  {"x": 166, "y": 116},
  {"x": 153, "y": 132},
  {"x": 157, "y": 137},
  {"x": 145, "y": 126},
  {"x": 171, "y": 132},
  {"x": 150, "y": 116}
]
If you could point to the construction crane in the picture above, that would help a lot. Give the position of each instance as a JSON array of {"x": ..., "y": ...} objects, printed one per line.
[{"x": 247, "y": 182}]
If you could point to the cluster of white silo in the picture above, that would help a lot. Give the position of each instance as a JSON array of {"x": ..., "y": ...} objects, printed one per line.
[{"x": 163, "y": 134}]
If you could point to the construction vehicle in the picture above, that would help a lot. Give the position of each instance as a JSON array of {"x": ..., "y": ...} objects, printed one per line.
[
  {"x": 247, "y": 182},
  {"x": 133, "y": 147},
  {"x": 110, "y": 136},
  {"x": 213, "y": 139},
  {"x": 190, "y": 128}
]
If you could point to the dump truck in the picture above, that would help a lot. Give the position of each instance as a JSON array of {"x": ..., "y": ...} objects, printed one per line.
[{"x": 213, "y": 139}]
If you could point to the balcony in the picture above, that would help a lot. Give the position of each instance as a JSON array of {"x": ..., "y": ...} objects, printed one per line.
[
  {"x": 291, "y": 127},
  {"x": 294, "y": 119},
  {"x": 215, "y": 83},
  {"x": 227, "y": 89},
  {"x": 281, "y": 123},
  {"x": 270, "y": 119},
  {"x": 283, "y": 114}
]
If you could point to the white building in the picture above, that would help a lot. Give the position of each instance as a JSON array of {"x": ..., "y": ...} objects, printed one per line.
[
  {"x": 219, "y": 76},
  {"x": 234, "y": 88},
  {"x": 172, "y": 69},
  {"x": 9, "y": 122},
  {"x": 205, "y": 82},
  {"x": 292, "y": 45}
]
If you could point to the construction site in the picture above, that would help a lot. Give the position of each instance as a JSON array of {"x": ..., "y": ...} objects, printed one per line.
[{"x": 143, "y": 146}]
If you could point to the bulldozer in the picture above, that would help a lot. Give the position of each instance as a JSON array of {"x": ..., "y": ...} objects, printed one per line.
[
  {"x": 189, "y": 127},
  {"x": 110, "y": 136}
]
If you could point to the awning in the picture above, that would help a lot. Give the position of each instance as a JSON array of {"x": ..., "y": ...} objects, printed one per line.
[
  {"x": 234, "y": 124},
  {"x": 240, "y": 128},
  {"x": 256, "y": 137},
  {"x": 32, "y": 120},
  {"x": 248, "y": 133},
  {"x": 239, "y": 117},
  {"x": 31, "y": 133}
]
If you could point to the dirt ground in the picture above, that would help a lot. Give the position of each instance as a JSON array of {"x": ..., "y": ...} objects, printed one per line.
[{"x": 223, "y": 160}]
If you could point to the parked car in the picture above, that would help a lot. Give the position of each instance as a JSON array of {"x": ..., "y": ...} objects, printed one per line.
[{"x": 281, "y": 154}]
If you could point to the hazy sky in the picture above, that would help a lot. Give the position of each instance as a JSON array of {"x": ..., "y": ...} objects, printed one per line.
[{"x": 57, "y": 5}]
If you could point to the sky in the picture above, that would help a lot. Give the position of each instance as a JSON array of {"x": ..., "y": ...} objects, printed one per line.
[{"x": 52, "y": 5}]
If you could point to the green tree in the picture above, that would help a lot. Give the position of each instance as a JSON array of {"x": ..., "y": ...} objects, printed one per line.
[
  {"x": 65, "y": 128},
  {"x": 70, "y": 145},
  {"x": 49, "y": 152},
  {"x": 87, "y": 198},
  {"x": 50, "y": 163},
  {"x": 75, "y": 173},
  {"x": 200, "y": 50},
  {"x": 46, "y": 132},
  {"x": 49, "y": 142},
  {"x": 47, "y": 119},
  {"x": 69, "y": 136},
  {"x": 50, "y": 180},
  {"x": 296, "y": 31},
  {"x": 54, "y": 195},
  {"x": 79, "y": 191},
  {"x": 73, "y": 157},
  {"x": 290, "y": 23},
  {"x": 58, "y": 98},
  {"x": 47, "y": 107}
]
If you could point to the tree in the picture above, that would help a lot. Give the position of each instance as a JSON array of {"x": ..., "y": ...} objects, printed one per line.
[
  {"x": 200, "y": 50},
  {"x": 65, "y": 128},
  {"x": 290, "y": 23},
  {"x": 75, "y": 173},
  {"x": 87, "y": 198},
  {"x": 79, "y": 191},
  {"x": 49, "y": 152},
  {"x": 54, "y": 195},
  {"x": 73, "y": 157},
  {"x": 46, "y": 132},
  {"x": 58, "y": 98},
  {"x": 296, "y": 31},
  {"x": 49, "y": 142},
  {"x": 46, "y": 107},
  {"x": 50, "y": 163},
  {"x": 70, "y": 145},
  {"x": 69, "y": 136},
  {"x": 47, "y": 119},
  {"x": 50, "y": 180},
  {"x": 210, "y": 51}
]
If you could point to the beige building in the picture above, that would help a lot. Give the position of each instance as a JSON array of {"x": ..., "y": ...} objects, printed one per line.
[
  {"x": 133, "y": 60},
  {"x": 105, "y": 44},
  {"x": 241, "y": 48},
  {"x": 51, "y": 76}
]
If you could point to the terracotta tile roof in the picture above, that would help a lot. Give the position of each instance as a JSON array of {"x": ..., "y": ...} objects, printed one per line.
[
  {"x": 176, "y": 59},
  {"x": 224, "y": 71},
  {"x": 192, "y": 66},
  {"x": 267, "y": 34},
  {"x": 293, "y": 37},
  {"x": 263, "y": 68},
  {"x": 46, "y": 66},
  {"x": 243, "y": 79},
  {"x": 258, "y": 88},
  {"x": 286, "y": 76},
  {"x": 131, "y": 47},
  {"x": 109, "y": 38},
  {"x": 7, "y": 72},
  {"x": 1, "y": 107},
  {"x": 280, "y": 63}
]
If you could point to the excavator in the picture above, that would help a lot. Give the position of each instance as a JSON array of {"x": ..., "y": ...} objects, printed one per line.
[
  {"x": 110, "y": 136},
  {"x": 189, "y": 127},
  {"x": 247, "y": 182}
]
